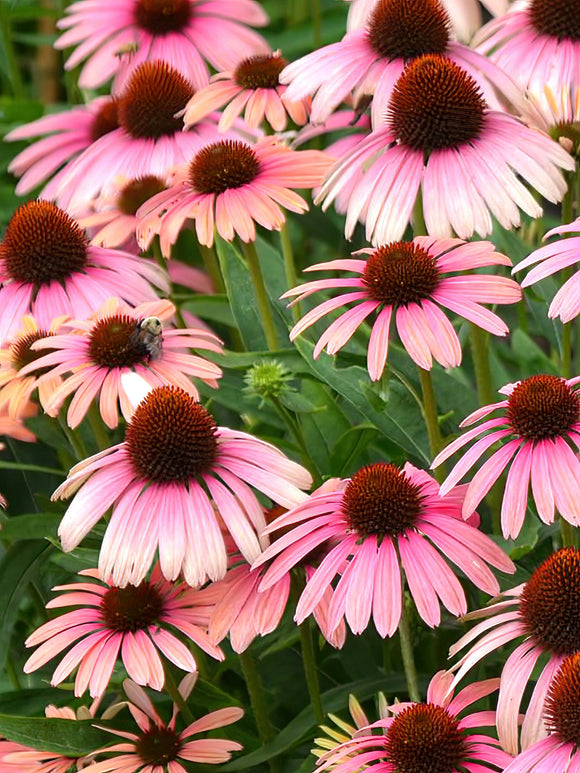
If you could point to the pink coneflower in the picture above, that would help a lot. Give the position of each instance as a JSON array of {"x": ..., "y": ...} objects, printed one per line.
[
  {"x": 378, "y": 522},
  {"x": 69, "y": 133},
  {"x": 23, "y": 759},
  {"x": 149, "y": 141},
  {"x": 253, "y": 85},
  {"x": 371, "y": 59},
  {"x": 163, "y": 483},
  {"x": 346, "y": 731},
  {"x": 439, "y": 138},
  {"x": 116, "y": 36},
  {"x": 119, "y": 339},
  {"x": 554, "y": 257},
  {"x": 16, "y": 388},
  {"x": 158, "y": 747},
  {"x": 134, "y": 622},
  {"x": 48, "y": 268},
  {"x": 538, "y": 41},
  {"x": 14, "y": 428},
  {"x": 428, "y": 736},
  {"x": 231, "y": 186},
  {"x": 539, "y": 426},
  {"x": 544, "y": 612},
  {"x": 406, "y": 280},
  {"x": 558, "y": 753}
]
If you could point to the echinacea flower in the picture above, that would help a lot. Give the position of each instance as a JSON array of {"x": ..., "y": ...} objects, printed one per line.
[
  {"x": 346, "y": 731},
  {"x": 406, "y": 280},
  {"x": 369, "y": 60},
  {"x": 158, "y": 747},
  {"x": 558, "y": 752},
  {"x": 555, "y": 257},
  {"x": 538, "y": 429},
  {"x": 417, "y": 735},
  {"x": 17, "y": 758},
  {"x": 536, "y": 40},
  {"x": 116, "y": 36},
  {"x": 15, "y": 428},
  {"x": 381, "y": 521},
  {"x": 230, "y": 186},
  {"x": 119, "y": 339},
  {"x": 135, "y": 623},
  {"x": 48, "y": 268},
  {"x": 164, "y": 481},
  {"x": 149, "y": 140},
  {"x": 543, "y": 614},
  {"x": 17, "y": 388},
  {"x": 68, "y": 134},
  {"x": 254, "y": 88},
  {"x": 439, "y": 139}
]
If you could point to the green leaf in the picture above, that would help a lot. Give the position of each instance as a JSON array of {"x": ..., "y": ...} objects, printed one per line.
[
  {"x": 241, "y": 295},
  {"x": 30, "y": 526},
  {"x": 214, "y": 308},
  {"x": 296, "y": 402},
  {"x": 31, "y": 468},
  {"x": 350, "y": 447},
  {"x": 72, "y": 738}
]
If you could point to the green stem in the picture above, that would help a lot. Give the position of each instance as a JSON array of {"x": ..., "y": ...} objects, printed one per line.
[
  {"x": 408, "y": 657},
  {"x": 567, "y": 532},
  {"x": 13, "y": 71},
  {"x": 431, "y": 419},
  {"x": 566, "y": 360},
  {"x": 289, "y": 267},
  {"x": 212, "y": 267},
  {"x": 74, "y": 440},
  {"x": 173, "y": 692},
  {"x": 294, "y": 428},
  {"x": 260, "y": 709},
  {"x": 309, "y": 662},
  {"x": 568, "y": 200},
  {"x": 480, "y": 354},
  {"x": 418, "y": 219},
  {"x": 102, "y": 438},
  {"x": 316, "y": 22},
  {"x": 261, "y": 294}
]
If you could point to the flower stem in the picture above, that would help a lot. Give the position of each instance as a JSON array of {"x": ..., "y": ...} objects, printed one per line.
[
  {"x": 74, "y": 440},
  {"x": 294, "y": 428},
  {"x": 566, "y": 361},
  {"x": 212, "y": 267},
  {"x": 316, "y": 23},
  {"x": 408, "y": 657},
  {"x": 289, "y": 267},
  {"x": 259, "y": 704},
  {"x": 261, "y": 294},
  {"x": 102, "y": 439},
  {"x": 480, "y": 354},
  {"x": 309, "y": 663},
  {"x": 567, "y": 532},
  {"x": 176, "y": 696},
  {"x": 431, "y": 420}
]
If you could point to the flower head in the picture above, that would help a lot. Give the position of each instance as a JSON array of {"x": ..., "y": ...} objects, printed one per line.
[
  {"x": 116, "y": 340},
  {"x": 418, "y": 733},
  {"x": 538, "y": 429},
  {"x": 371, "y": 526},
  {"x": 253, "y": 87},
  {"x": 116, "y": 37},
  {"x": 134, "y": 622},
  {"x": 544, "y": 613},
  {"x": 158, "y": 747},
  {"x": 48, "y": 268},
  {"x": 554, "y": 257},
  {"x": 406, "y": 280},
  {"x": 167, "y": 483},
  {"x": 232, "y": 185},
  {"x": 437, "y": 135}
]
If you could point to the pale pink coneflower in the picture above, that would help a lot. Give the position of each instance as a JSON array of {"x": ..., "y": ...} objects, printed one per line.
[
  {"x": 17, "y": 758},
  {"x": 230, "y": 186},
  {"x": 439, "y": 139},
  {"x": 369, "y": 61},
  {"x": 149, "y": 141},
  {"x": 538, "y": 429},
  {"x": 543, "y": 614},
  {"x": 407, "y": 281},
  {"x": 420, "y": 737},
  {"x": 158, "y": 747},
  {"x": 559, "y": 751},
  {"x": 254, "y": 88},
  {"x": 465, "y": 15},
  {"x": 119, "y": 339},
  {"x": 167, "y": 483},
  {"x": 552, "y": 258},
  {"x": 116, "y": 36},
  {"x": 48, "y": 268},
  {"x": 536, "y": 40},
  {"x": 67, "y": 134},
  {"x": 381, "y": 521},
  {"x": 15, "y": 428},
  {"x": 134, "y": 623},
  {"x": 17, "y": 388}
]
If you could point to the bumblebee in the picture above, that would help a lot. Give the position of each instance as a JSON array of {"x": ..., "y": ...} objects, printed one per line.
[{"x": 147, "y": 338}]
